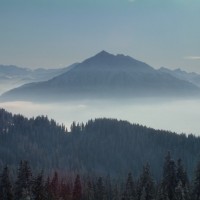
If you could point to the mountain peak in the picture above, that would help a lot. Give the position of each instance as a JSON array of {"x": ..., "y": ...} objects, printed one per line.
[
  {"x": 106, "y": 75},
  {"x": 99, "y": 58},
  {"x": 104, "y": 53},
  {"x": 104, "y": 56},
  {"x": 105, "y": 60}
]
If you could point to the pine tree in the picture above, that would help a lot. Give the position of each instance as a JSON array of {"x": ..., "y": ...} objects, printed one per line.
[
  {"x": 89, "y": 191},
  {"x": 47, "y": 190},
  {"x": 129, "y": 193},
  {"x": 196, "y": 184},
  {"x": 108, "y": 188},
  {"x": 65, "y": 191},
  {"x": 54, "y": 187},
  {"x": 182, "y": 188},
  {"x": 23, "y": 183},
  {"x": 145, "y": 188},
  {"x": 116, "y": 193},
  {"x": 181, "y": 173},
  {"x": 5, "y": 186},
  {"x": 38, "y": 188},
  {"x": 179, "y": 192},
  {"x": 162, "y": 195},
  {"x": 77, "y": 190},
  {"x": 169, "y": 181},
  {"x": 100, "y": 189},
  {"x": 75, "y": 128}
]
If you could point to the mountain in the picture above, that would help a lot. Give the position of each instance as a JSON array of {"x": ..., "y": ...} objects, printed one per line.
[
  {"x": 12, "y": 70},
  {"x": 100, "y": 146},
  {"x": 105, "y": 75},
  {"x": 191, "y": 77},
  {"x": 13, "y": 76}
]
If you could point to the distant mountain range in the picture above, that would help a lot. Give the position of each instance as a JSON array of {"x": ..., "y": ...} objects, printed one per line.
[
  {"x": 109, "y": 76},
  {"x": 191, "y": 77},
  {"x": 13, "y": 76}
]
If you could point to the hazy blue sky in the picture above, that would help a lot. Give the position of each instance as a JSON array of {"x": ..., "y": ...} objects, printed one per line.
[{"x": 55, "y": 33}]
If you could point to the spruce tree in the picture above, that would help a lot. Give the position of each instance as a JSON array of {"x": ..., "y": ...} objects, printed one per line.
[
  {"x": 5, "y": 186},
  {"x": 100, "y": 189},
  {"x": 108, "y": 188},
  {"x": 77, "y": 190},
  {"x": 54, "y": 187},
  {"x": 65, "y": 190},
  {"x": 145, "y": 188},
  {"x": 182, "y": 188},
  {"x": 169, "y": 180},
  {"x": 181, "y": 173},
  {"x": 116, "y": 193},
  {"x": 129, "y": 193},
  {"x": 89, "y": 190},
  {"x": 47, "y": 190},
  {"x": 38, "y": 188},
  {"x": 179, "y": 192},
  {"x": 24, "y": 182},
  {"x": 196, "y": 184}
]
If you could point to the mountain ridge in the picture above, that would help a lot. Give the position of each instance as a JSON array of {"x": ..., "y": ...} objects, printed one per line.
[
  {"x": 103, "y": 146},
  {"x": 192, "y": 77},
  {"x": 12, "y": 76},
  {"x": 105, "y": 75}
]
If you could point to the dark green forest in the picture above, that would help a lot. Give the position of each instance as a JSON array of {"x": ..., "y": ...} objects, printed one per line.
[
  {"x": 174, "y": 185},
  {"x": 99, "y": 147}
]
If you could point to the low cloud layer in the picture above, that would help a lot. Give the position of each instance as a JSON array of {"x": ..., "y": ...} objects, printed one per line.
[
  {"x": 147, "y": 112},
  {"x": 192, "y": 57}
]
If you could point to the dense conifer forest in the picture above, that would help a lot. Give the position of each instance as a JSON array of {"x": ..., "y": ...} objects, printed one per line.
[
  {"x": 99, "y": 147},
  {"x": 174, "y": 185}
]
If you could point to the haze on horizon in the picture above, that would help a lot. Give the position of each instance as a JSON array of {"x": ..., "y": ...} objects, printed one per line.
[
  {"x": 56, "y": 33},
  {"x": 180, "y": 116}
]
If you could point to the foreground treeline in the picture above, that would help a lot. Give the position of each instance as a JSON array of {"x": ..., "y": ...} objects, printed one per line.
[
  {"x": 173, "y": 185},
  {"x": 100, "y": 146}
]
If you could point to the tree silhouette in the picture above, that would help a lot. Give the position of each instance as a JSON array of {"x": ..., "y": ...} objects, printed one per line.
[
  {"x": 77, "y": 190},
  {"x": 5, "y": 186}
]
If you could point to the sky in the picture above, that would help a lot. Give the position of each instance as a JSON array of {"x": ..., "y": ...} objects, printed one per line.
[{"x": 57, "y": 33}]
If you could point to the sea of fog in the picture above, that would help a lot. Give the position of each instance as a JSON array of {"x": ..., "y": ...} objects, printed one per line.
[{"x": 181, "y": 116}]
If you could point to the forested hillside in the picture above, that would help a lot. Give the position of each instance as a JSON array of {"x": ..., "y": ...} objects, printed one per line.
[
  {"x": 101, "y": 146},
  {"x": 174, "y": 185}
]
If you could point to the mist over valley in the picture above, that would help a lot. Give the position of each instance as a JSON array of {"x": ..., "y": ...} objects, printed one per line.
[
  {"x": 100, "y": 100},
  {"x": 107, "y": 85},
  {"x": 181, "y": 116},
  {"x": 105, "y": 76}
]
